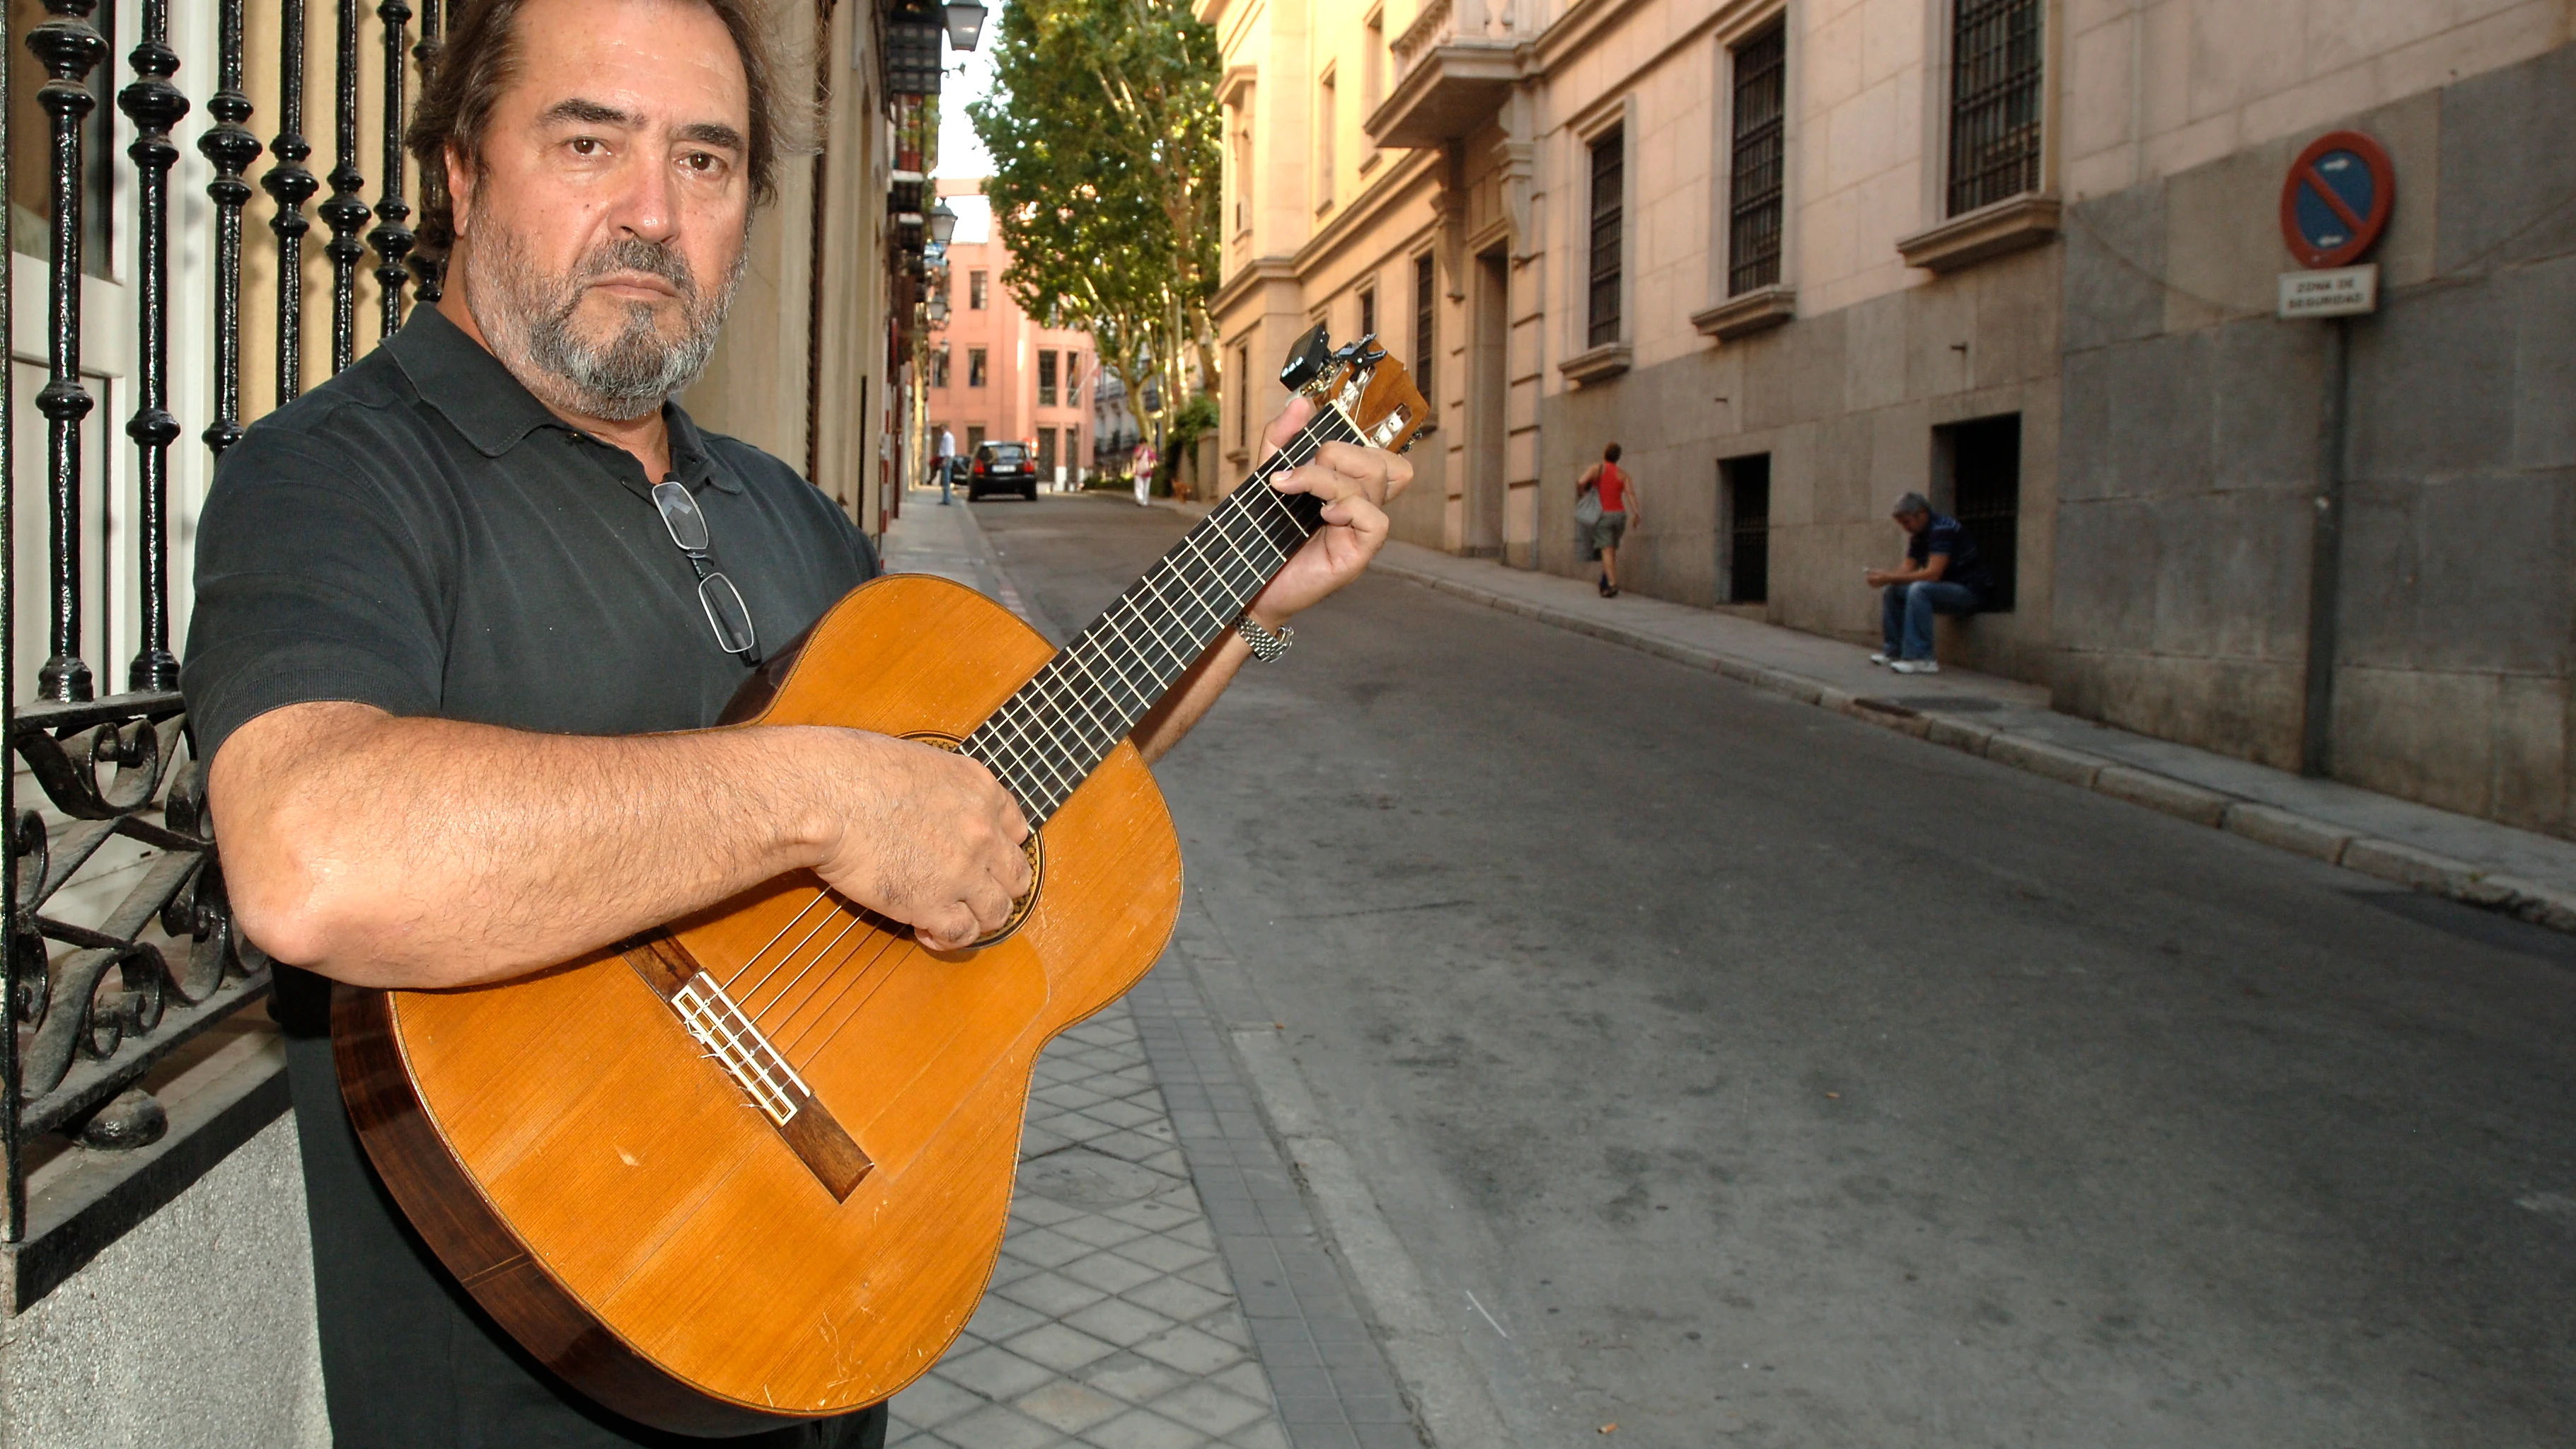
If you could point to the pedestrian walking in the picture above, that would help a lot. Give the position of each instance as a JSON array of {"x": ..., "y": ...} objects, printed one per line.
[
  {"x": 1942, "y": 575},
  {"x": 1604, "y": 508},
  {"x": 947, "y": 463},
  {"x": 1143, "y": 461}
]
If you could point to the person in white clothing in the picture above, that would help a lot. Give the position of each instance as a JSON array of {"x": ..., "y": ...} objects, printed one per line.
[
  {"x": 1144, "y": 465},
  {"x": 947, "y": 464}
]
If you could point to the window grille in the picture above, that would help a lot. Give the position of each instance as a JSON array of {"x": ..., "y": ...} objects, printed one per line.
[
  {"x": 1760, "y": 165},
  {"x": 1425, "y": 298},
  {"x": 978, "y": 290},
  {"x": 1046, "y": 379},
  {"x": 1994, "y": 102},
  {"x": 975, "y": 370},
  {"x": 1243, "y": 397},
  {"x": 1368, "y": 313},
  {"x": 1608, "y": 178}
]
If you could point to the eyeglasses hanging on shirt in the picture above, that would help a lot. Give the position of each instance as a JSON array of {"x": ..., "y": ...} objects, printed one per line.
[{"x": 723, "y": 602}]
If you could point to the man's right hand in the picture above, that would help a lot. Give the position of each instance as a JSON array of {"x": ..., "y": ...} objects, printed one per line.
[{"x": 922, "y": 835}]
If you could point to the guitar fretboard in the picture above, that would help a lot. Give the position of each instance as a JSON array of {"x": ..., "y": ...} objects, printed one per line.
[{"x": 1046, "y": 739}]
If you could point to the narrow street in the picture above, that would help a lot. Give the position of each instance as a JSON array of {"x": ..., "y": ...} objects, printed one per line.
[{"x": 1732, "y": 1072}]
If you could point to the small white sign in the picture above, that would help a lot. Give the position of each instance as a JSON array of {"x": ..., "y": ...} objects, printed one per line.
[{"x": 2342, "y": 292}]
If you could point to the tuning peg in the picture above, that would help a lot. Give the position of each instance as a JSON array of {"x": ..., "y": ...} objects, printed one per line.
[{"x": 1307, "y": 359}]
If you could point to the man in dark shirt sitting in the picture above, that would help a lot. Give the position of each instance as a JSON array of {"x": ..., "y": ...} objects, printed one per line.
[{"x": 1942, "y": 575}]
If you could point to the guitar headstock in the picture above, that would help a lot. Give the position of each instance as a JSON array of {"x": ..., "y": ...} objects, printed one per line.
[{"x": 1371, "y": 390}]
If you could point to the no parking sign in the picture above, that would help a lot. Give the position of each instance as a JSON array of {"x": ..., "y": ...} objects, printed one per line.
[{"x": 2337, "y": 198}]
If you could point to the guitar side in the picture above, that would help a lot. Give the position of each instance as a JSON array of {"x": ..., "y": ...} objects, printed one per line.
[{"x": 620, "y": 1202}]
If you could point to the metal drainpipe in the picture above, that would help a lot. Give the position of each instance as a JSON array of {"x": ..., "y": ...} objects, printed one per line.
[{"x": 2325, "y": 558}]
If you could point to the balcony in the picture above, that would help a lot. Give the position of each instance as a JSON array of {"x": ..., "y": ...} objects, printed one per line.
[{"x": 1453, "y": 72}]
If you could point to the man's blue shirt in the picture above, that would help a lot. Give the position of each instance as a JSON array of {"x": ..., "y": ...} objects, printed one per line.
[{"x": 1946, "y": 535}]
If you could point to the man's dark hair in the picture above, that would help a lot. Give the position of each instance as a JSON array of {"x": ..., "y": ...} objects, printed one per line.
[
  {"x": 481, "y": 56},
  {"x": 1610, "y": 454}
]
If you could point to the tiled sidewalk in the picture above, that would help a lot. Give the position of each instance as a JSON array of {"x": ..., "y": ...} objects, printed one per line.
[{"x": 1111, "y": 1320}]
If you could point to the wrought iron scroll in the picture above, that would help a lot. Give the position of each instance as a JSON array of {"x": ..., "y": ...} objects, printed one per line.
[
  {"x": 229, "y": 144},
  {"x": 154, "y": 105},
  {"x": 391, "y": 238},
  {"x": 427, "y": 267},
  {"x": 292, "y": 186},
  {"x": 346, "y": 211},
  {"x": 69, "y": 47}
]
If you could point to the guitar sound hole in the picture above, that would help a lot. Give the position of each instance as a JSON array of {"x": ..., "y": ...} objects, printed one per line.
[{"x": 1034, "y": 847}]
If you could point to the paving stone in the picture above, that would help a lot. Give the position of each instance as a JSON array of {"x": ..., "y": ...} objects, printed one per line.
[
  {"x": 1047, "y": 1248},
  {"x": 998, "y": 1318},
  {"x": 1264, "y": 1434},
  {"x": 1133, "y": 1377},
  {"x": 932, "y": 1401},
  {"x": 1102, "y": 1231},
  {"x": 994, "y": 1373},
  {"x": 1209, "y": 1409},
  {"x": 1163, "y": 1254},
  {"x": 1191, "y": 1351},
  {"x": 1068, "y": 1406},
  {"x": 1110, "y": 1273},
  {"x": 2163, "y": 792},
  {"x": 1143, "y": 1429},
  {"x": 995, "y": 1427},
  {"x": 1178, "y": 1299},
  {"x": 1059, "y": 1347},
  {"x": 1120, "y": 1322}
]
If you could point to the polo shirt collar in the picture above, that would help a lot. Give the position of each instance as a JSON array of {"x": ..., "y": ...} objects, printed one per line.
[{"x": 495, "y": 411}]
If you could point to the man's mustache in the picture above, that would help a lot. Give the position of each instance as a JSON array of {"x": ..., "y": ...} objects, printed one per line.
[{"x": 635, "y": 254}]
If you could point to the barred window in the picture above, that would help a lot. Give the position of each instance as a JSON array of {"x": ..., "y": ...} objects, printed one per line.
[
  {"x": 1608, "y": 178},
  {"x": 1368, "y": 313},
  {"x": 1761, "y": 155},
  {"x": 1046, "y": 379},
  {"x": 1425, "y": 286},
  {"x": 1994, "y": 102}
]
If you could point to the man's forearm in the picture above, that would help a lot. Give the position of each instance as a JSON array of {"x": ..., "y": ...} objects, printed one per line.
[
  {"x": 420, "y": 852},
  {"x": 1179, "y": 711}
]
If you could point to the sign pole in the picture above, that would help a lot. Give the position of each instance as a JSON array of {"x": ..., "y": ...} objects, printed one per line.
[{"x": 2325, "y": 555}]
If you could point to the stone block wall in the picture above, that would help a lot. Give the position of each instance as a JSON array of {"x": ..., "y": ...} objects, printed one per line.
[{"x": 2190, "y": 461}]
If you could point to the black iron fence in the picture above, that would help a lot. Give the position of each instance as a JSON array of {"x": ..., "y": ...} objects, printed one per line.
[{"x": 99, "y": 1002}]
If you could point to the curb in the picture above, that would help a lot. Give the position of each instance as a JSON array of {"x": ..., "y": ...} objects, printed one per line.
[{"x": 2386, "y": 860}]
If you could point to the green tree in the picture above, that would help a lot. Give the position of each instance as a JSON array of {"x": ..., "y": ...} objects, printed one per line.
[{"x": 1104, "y": 131}]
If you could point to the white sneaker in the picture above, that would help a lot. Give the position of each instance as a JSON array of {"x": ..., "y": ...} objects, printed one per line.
[
  {"x": 1878, "y": 659},
  {"x": 1916, "y": 666}
]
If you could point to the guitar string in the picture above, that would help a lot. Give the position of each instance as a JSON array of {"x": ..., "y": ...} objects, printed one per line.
[
  {"x": 856, "y": 920},
  {"x": 831, "y": 986},
  {"x": 743, "y": 998},
  {"x": 774, "y": 940}
]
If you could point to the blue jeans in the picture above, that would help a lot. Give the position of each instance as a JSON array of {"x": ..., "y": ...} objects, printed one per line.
[
  {"x": 1906, "y": 610},
  {"x": 947, "y": 474}
]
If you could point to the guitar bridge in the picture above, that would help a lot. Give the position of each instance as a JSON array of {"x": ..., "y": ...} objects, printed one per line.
[
  {"x": 735, "y": 1042},
  {"x": 711, "y": 1016}
]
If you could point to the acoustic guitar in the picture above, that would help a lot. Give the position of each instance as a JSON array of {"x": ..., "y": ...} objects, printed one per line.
[{"x": 755, "y": 1166}]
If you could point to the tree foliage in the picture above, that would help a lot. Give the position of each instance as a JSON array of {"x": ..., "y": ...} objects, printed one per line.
[{"x": 1104, "y": 131}]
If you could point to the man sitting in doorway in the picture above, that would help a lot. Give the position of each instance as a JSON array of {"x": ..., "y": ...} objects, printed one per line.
[{"x": 1942, "y": 575}]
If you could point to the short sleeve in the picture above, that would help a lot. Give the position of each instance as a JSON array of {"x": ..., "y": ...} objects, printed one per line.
[{"x": 312, "y": 584}]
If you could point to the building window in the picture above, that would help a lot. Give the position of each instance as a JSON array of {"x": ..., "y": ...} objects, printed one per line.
[
  {"x": 1046, "y": 378},
  {"x": 1046, "y": 455},
  {"x": 1327, "y": 117},
  {"x": 1994, "y": 102},
  {"x": 1745, "y": 483},
  {"x": 1243, "y": 397},
  {"x": 1983, "y": 460},
  {"x": 1761, "y": 157},
  {"x": 974, "y": 439},
  {"x": 1072, "y": 449},
  {"x": 1368, "y": 313},
  {"x": 1242, "y": 172},
  {"x": 1072, "y": 381},
  {"x": 976, "y": 289},
  {"x": 975, "y": 373},
  {"x": 1425, "y": 294},
  {"x": 939, "y": 367},
  {"x": 1608, "y": 176}
]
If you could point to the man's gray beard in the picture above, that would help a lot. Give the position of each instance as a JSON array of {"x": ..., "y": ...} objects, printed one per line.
[{"x": 527, "y": 316}]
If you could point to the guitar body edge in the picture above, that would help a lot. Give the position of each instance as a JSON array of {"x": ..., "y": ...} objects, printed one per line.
[{"x": 450, "y": 1213}]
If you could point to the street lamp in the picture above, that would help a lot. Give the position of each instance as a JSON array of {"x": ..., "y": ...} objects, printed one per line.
[
  {"x": 965, "y": 24},
  {"x": 943, "y": 222}
]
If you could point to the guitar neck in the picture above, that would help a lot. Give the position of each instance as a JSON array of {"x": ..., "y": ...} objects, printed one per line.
[{"x": 1046, "y": 739}]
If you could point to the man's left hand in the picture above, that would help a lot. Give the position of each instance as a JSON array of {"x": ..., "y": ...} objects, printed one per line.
[{"x": 1354, "y": 484}]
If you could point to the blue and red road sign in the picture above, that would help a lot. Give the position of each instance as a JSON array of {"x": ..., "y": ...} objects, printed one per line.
[{"x": 2337, "y": 199}]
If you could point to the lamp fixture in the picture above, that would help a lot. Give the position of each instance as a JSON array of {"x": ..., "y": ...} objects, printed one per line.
[
  {"x": 965, "y": 24},
  {"x": 943, "y": 222}
]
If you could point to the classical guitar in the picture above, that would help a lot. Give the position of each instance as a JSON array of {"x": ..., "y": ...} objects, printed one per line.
[{"x": 754, "y": 1166}]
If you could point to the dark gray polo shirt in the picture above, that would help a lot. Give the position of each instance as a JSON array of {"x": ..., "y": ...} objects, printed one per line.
[{"x": 421, "y": 535}]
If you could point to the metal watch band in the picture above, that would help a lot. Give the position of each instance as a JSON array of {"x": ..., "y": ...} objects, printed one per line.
[{"x": 1266, "y": 646}]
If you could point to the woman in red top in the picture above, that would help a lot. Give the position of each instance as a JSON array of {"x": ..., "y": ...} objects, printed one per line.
[{"x": 1618, "y": 510}]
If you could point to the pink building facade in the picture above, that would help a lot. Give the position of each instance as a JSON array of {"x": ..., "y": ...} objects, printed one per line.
[{"x": 997, "y": 374}]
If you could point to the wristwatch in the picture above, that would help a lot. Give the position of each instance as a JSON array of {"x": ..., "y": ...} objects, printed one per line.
[{"x": 1266, "y": 646}]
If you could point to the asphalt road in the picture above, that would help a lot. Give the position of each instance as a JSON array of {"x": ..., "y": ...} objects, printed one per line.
[{"x": 1773, "y": 1079}]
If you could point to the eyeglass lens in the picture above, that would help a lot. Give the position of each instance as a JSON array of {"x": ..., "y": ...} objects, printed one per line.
[
  {"x": 726, "y": 612},
  {"x": 680, "y": 515}
]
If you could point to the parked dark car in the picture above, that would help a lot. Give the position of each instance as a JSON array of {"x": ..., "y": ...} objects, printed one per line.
[{"x": 1002, "y": 468}]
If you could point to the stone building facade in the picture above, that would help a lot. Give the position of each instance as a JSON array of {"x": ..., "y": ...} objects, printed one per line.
[{"x": 1800, "y": 256}]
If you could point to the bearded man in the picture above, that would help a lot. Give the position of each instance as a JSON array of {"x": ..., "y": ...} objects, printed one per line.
[{"x": 463, "y": 610}]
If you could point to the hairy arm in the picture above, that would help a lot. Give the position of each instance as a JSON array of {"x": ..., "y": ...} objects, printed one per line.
[{"x": 410, "y": 852}]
